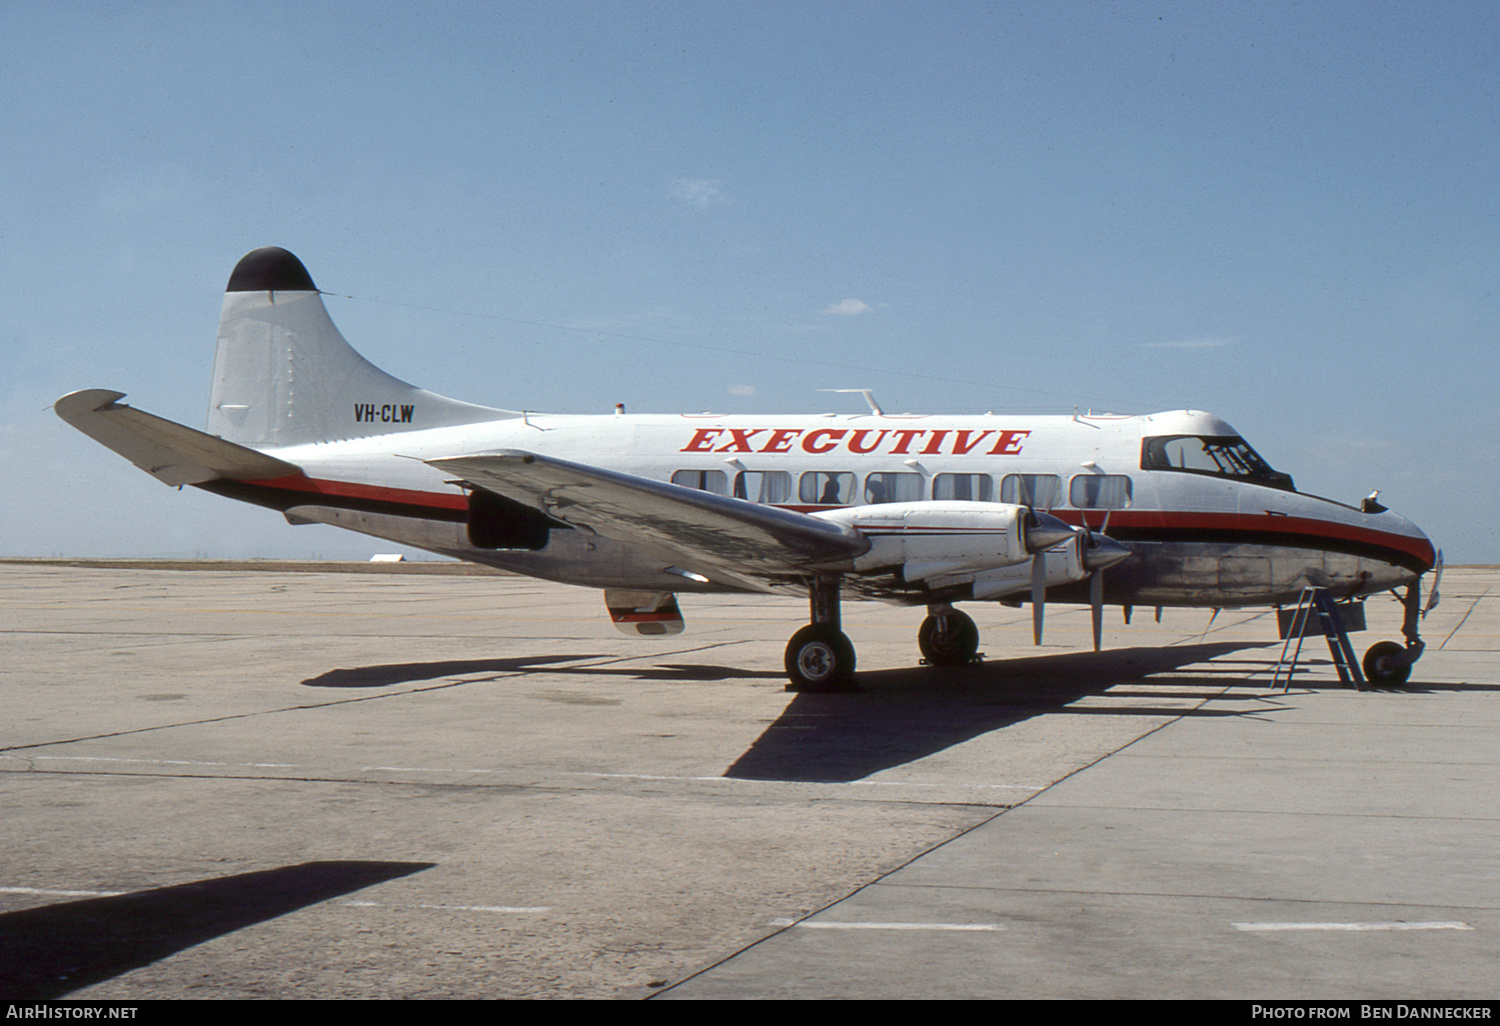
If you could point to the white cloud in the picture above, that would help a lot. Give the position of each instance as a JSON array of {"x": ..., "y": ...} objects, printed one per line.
[
  {"x": 144, "y": 191},
  {"x": 1207, "y": 342},
  {"x": 698, "y": 192},
  {"x": 741, "y": 389},
  {"x": 847, "y": 308}
]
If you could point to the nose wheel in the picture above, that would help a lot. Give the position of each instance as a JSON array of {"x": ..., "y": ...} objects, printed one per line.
[{"x": 1387, "y": 665}]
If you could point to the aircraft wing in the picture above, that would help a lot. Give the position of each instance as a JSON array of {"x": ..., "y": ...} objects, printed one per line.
[
  {"x": 169, "y": 452},
  {"x": 722, "y": 538}
]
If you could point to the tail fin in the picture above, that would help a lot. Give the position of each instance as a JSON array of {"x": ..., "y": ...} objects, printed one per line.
[{"x": 283, "y": 375}]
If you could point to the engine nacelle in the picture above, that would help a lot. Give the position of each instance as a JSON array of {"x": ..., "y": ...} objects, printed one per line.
[{"x": 931, "y": 539}]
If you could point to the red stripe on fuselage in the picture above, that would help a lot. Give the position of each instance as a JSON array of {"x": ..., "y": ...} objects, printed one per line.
[{"x": 1251, "y": 525}]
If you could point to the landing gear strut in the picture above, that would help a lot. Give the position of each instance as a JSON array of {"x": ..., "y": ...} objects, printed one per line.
[
  {"x": 820, "y": 656},
  {"x": 1387, "y": 664},
  {"x": 948, "y": 637}
]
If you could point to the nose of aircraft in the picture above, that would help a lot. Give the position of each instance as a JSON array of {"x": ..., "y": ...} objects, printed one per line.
[{"x": 1410, "y": 553}]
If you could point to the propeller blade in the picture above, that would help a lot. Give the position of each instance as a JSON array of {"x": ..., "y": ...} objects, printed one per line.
[
  {"x": 1038, "y": 596},
  {"x": 1096, "y": 605}
]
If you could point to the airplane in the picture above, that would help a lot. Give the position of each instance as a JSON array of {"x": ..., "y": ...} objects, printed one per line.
[{"x": 1167, "y": 509}]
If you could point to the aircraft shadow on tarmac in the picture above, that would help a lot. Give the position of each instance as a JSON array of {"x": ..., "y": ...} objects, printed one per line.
[
  {"x": 898, "y": 715},
  {"x": 903, "y": 714},
  {"x": 906, "y": 714},
  {"x": 53, "y": 950},
  {"x": 389, "y": 674}
]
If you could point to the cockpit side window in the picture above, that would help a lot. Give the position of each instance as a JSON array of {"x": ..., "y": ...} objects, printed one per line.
[{"x": 1215, "y": 455}]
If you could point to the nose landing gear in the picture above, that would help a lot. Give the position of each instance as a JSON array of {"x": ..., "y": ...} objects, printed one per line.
[{"x": 1386, "y": 663}]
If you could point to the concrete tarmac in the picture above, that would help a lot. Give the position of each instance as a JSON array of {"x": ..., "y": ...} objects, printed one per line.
[{"x": 239, "y": 783}]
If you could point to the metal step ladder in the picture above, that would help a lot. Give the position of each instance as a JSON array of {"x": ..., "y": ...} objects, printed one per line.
[{"x": 1318, "y": 602}]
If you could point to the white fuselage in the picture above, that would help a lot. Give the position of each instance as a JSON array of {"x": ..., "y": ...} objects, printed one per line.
[{"x": 1200, "y": 533}]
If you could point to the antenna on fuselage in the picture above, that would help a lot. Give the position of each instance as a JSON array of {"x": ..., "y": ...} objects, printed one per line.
[{"x": 869, "y": 398}]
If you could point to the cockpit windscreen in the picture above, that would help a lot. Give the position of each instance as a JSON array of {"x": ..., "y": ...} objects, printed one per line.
[{"x": 1216, "y": 455}]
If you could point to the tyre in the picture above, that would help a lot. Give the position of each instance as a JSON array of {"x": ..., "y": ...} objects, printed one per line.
[
  {"x": 1386, "y": 665},
  {"x": 819, "y": 658},
  {"x": 951, "y": 643}
]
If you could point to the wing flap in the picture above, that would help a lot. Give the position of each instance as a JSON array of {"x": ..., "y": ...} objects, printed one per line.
[
  {"x": 693, "y": 528},
  {"x": 169, "y": 452}
]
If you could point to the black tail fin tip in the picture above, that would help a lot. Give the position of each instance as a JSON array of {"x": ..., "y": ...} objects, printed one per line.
[{"x": 270, "y": 269}]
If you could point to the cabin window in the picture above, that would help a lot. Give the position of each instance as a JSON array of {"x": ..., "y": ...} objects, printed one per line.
[
  {"x": 1100, "y": 491},
  {"x": 826, "y": 488},
  {"x": 1214, "y": 455},
  {"x": 715, "y": 481},
  {"x": 764, "y": 486},
  {"x": 1039, "y": 491},
  {"x": 893, "y": 488},
  {"x": 964, "y": 487}
]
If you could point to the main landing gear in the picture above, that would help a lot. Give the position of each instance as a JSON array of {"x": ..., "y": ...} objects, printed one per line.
[
  {"x": 948, "y": 637},
  {"x": 820, "y": 656}
]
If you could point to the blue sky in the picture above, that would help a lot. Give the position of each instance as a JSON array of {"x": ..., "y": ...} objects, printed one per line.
[{"x": 1284, "y": 213}]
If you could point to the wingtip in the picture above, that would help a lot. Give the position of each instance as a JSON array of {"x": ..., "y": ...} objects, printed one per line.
[
  {"x": 85, "y": 401},
  {"x": 270, "y": 269}
]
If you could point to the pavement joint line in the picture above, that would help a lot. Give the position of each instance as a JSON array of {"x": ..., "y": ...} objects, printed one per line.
[
  {"x": 479, "y": 771},
  {"x": 49, "y": 892},
  {"x": 1350, "y": 927},
  {"x": 867, "y": 783},
  {"x": 1253, "y": 899},
  {"x": 953, "y": 927},
  {"x": 450, "y": 908},
  {"x": 1464, "y": 619},
  {"x": 265, "y": 712}
]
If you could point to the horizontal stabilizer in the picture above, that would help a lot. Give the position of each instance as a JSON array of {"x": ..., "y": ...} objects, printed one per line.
[{"x": 169, "y": 452}]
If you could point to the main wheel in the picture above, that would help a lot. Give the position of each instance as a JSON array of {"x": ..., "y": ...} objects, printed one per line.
[
  {"x": 819, "y": 658},
  {"x": 1386, "y": 665},
  {"x": 949, "y": 640}
]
